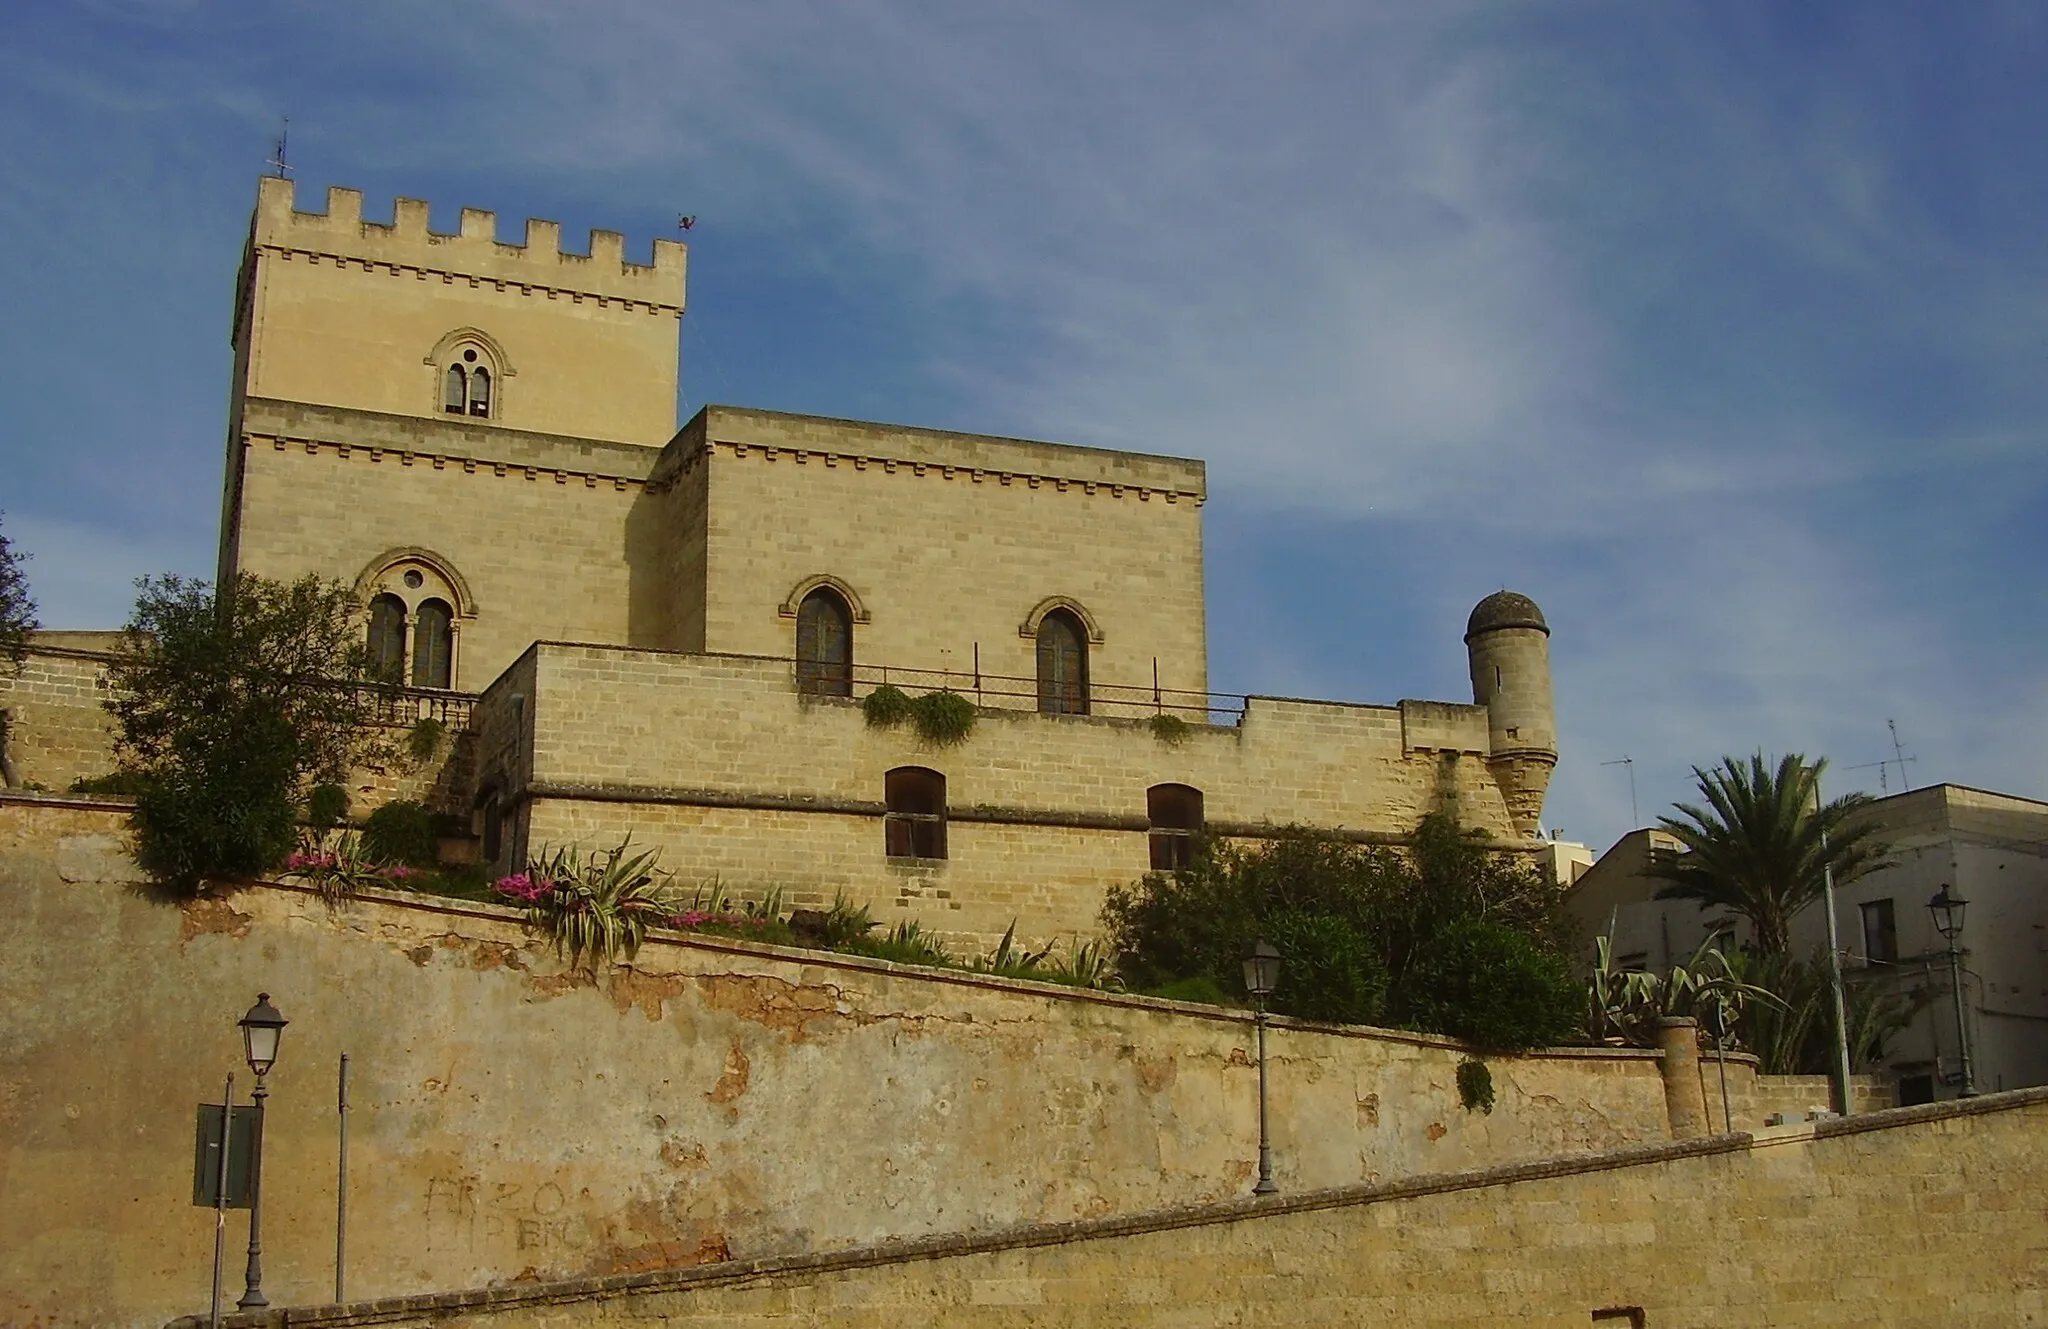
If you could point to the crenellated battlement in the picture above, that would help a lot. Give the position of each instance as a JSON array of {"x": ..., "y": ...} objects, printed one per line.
[{"x": 537, "y": 263}]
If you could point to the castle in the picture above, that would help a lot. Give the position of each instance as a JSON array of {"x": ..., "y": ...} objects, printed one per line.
[{"x": 669, "y": 632}]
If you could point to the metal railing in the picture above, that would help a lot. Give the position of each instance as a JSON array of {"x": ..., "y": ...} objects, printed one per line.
[{"x": 1014, "y": 692}]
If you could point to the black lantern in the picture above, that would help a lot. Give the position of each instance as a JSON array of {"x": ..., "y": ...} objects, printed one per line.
[
  {"x": 262, "y": 1027},
  {"x": 1947, "y": 909},
  {"x": 1261, "y": 969}
]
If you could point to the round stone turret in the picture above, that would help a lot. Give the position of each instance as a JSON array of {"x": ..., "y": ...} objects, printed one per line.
[{"x": 1508, "y": 643}]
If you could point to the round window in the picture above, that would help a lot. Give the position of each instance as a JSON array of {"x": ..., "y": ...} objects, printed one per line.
[
  {"x": 469, "y": 355},
  {"x": 413, "y": 579}
]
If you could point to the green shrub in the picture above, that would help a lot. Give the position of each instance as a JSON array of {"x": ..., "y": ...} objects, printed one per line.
[
  {"x": 1331, "y": 971},
  {"x": 226, "y": 707},
  {"x": 1475, "y": 1086},
  {"x": 1444, "y": 936},
  {"x": 1492, "y": 986},
  {"x": 1169, "y": 729},
  {"x": 326, "y": 805},
  {"x": 124, "y": 783},
  {"x": 230, "y": 820},
  {"x": 886, "y": 707},
  {"x": 1201, "y": 990},
  {"x": 844, "y": 923},
  {"x": 402, "y": 831}
]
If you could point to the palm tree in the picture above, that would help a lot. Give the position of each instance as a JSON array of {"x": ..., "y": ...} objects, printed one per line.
[{"x": 1759, "y": 851}]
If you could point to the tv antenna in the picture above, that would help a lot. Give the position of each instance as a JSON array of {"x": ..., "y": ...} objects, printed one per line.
[
  {"x": 1635, "y": 821},
  {"x": 277, "y": 162},
  {"x": 1899, "y": 753},
  {"x": 1883, "y": 785}
]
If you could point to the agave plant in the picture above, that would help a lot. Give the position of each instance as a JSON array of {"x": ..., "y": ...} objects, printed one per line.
[
  {"x": 1010, "y": 958},
  {"x": 596, "y": 908},
  {"x": 1087, "y": 964},
  {"x": 1623, "y": 1006}
]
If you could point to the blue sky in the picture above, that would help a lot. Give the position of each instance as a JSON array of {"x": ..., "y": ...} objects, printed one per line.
[{"x": 1718, "y": 328}]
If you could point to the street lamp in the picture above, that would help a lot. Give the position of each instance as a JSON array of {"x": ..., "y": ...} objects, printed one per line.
[
  {"x": 262, "y": 1028},
  {"x": 1261, "y": 976},
  {"x": 1947, "y": 909}
]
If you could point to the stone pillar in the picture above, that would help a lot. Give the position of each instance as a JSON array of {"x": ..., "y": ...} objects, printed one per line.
[{"x": 1685, "y": 1102}]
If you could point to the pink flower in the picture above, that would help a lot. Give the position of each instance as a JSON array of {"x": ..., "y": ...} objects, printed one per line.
[{"x": 523, "y": 887}]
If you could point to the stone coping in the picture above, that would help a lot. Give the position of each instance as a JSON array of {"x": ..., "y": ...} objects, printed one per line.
[
  {"x": 426, "y": 1308},
  {"x": 819, "y": 959},
  {"x": 121, "y": 803}
]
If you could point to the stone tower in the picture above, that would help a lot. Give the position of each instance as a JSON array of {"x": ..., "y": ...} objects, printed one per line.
[{"x": 1509, "y": 646}]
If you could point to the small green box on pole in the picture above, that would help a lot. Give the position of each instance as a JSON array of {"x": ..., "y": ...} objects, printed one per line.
[{"x": 206, "y": 1157}]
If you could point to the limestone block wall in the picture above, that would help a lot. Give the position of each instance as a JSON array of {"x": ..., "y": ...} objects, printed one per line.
[
  {"x": 344, "y": 312},
  {"x": 547, "y": 533},
  {"x": 59, "y": 732},
  {"x": 717, "y": 760},
  {"x": 513, "y": 1120},
  {"x": 1923, "y": 1216},
  {"x": 950, "y": 541}
]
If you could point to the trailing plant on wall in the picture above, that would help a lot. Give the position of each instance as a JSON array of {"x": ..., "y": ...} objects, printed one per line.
[
  {"x": 1169, "y": 729},
  {"x": 1475, "y": 1086},
  {"x": 423, "y": 741},
  {"x": 595, "y": 908},
  {"x": 942, "y": 718}
]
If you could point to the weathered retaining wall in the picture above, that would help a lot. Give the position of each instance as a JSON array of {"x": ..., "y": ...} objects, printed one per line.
[
  {"x": 1920, "y": 1216},
  {"x": 513, "y": 1120}
]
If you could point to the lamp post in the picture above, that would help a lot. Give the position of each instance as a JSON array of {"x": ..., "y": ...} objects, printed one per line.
[
  {"x": 1947, "y": 908},
  {"x": 262, "y": 1027},
  {"x": 1261, "y": 976}
]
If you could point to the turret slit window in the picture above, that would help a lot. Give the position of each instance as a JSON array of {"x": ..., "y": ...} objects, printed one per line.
[
  {"x": 455, "y": 392},
  {"x": 824, "y": 645},
  {"x": 1062, "y": 664},
  {"x": 387, "y": 639},
  {"x": 480, "y": 391},
  {"x": 915, "y": 826},
  {"x": 433, "y": 645},
  {"x": 1175, "y": 811}
]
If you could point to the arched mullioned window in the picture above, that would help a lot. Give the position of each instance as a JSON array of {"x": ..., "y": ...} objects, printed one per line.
[
  {"x": 915, "y": 826},
  {"x": 1062, "y": 664},
  {"x": 387, "y": 639},
  {"x": 824, "y": 644},
  {"x": 466, "y": 385},
  {"x": 1175, "y": 812},
  {"x": 433, "y": 644}
]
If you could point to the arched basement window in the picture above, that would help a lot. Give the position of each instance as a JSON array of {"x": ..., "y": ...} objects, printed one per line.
[
  {"x": 824, "y": 645},
  {"x": 387, "y": 639},
  {"x": 480, "y": 391},
  {"x": 915, "y": 826},
  {"x": 433, "y": 645},
  {"x": 1062, "y": 664},
  {"x": 1175, "y": 811},
  {"x": 455, "y": 391}
]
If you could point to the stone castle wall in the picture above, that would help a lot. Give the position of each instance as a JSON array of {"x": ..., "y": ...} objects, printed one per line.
[
  {"x": 1922, "y": 1216},
  {"x": 549, "y": 534},
  {"x": 949, "y": 542},
  {"x": 344, "y": 312},
  {"x": 514, "y": 1120},
  {"x": 58, "y": 731},
  {"x": 719, "y": 761}
]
